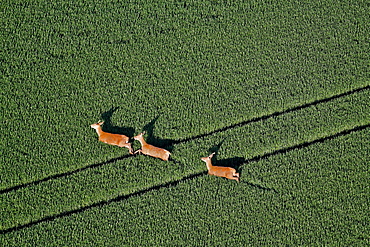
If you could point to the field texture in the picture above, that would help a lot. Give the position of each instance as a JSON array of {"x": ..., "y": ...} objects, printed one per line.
[
  {"x": 316, "y": 200},
  {"x": 280, "y": 91}
]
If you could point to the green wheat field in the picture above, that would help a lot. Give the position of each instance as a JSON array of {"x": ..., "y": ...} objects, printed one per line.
[{"x": 280, "y": 90}]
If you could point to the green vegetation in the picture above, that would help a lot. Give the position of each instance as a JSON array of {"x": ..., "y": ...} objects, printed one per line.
[
  {"x": 320, "y": 195},
  {"x": 200, "y": 66},
  {"x": 139, "y": 173},
  {"x": 258, "y": 82}
]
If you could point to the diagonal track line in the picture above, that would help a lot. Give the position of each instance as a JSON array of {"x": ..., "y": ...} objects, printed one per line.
[
  {"x": 257, "y": 119},
  {"x": 60, "y": 175},
  {"x": 102, "y": 203},
  {"x": 187, "y": 178},
  {"x": 306, "y": 144},
  {"x": 275, "y": 114}
]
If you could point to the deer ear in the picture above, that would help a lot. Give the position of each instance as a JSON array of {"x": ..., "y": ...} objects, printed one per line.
[{"x": 144, "y": 132}]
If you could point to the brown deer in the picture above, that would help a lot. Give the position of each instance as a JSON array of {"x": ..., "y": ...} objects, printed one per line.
[
  {"x": 112, "y": 139},
  {"x": 220, "y": 171},
  {"x": 151, "y": 150}
]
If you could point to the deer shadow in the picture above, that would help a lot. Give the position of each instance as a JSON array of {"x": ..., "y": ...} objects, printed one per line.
[
  {"x": 167, "y": 144},
  {"x": 234, "y": 162},
  {"x": 108, "y": 127},
  {"x": 216, "y": 148}
]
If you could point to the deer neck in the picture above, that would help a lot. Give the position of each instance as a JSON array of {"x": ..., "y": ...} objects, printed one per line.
[
  {"x": 142, "y": 141},
  {"x": 99, "y": 131},
  {"x": 209, "y": 165}
]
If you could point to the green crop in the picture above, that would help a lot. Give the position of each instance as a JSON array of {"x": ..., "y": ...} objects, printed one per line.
[
  {"x": 80, "y": 189},
  {"x": 279, "y": 91},
  {"x": 320, "y": 196}
]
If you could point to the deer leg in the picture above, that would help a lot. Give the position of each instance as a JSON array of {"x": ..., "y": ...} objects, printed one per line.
[{"x": 129, "y": 149}]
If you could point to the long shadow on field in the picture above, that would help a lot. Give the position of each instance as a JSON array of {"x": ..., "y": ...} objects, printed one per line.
[
  {"x": 175, "y": 183},
  {"x": 275, "y": 114},
  {"x": 102, "y": 203},
  {"x": 216, "y": 148},
  {"x": 108, "y": 127},
  {"x": 166, "y": 142},
  {"x": 155, "y": 141},
  {"x": 234, "y": 162},
  {"x": 65, "y": 174}
]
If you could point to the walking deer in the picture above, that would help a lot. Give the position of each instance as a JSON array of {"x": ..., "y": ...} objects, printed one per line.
[
  {"x": 112, "y": 139},
  {"x": 220, "y": 171},
  {"x": 151, "y": 150}
]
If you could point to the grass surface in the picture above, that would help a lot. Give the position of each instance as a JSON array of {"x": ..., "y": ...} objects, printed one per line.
[
  {"x": 249, "y": 80},
  {"x": 319, "y": 197},
  {"x": 131, "y": 174},
  {"x": 199, "y": 66}
]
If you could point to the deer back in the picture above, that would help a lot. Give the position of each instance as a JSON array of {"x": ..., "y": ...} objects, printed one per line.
[
  {"x": 155, "y": 151},
  {"x": 222, "y": 171},
  {"x": 113, "y": 139}
]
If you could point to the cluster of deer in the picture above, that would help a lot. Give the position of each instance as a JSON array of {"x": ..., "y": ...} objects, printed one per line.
[{"x": 150, "y": 150}]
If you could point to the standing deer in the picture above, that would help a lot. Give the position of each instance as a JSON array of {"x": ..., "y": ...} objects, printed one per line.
[
  {"x": 112, "y": 139},
  {"x": 151, "y": 150},
  {"x": 220, "y": 171}
]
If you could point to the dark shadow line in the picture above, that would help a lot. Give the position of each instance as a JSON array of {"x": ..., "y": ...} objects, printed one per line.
[
  {"x": 275, "y": 114},
  {"x": 102, "y": 203},
  {"x": 175, "y": 183},
  {"x": 60, "y": 175},
  {"x": 193, "y": 138},
  {"x": 306, "y": 144},
  {"x": 260, "y": 187},
  {"x": 299, "y": 146}
]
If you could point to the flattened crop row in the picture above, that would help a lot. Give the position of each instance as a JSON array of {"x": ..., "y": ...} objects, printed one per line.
[
  {"x": 322, "y": 190},
  {"x": 127, "y": 176},
  {"x": 201, "y": 136}
]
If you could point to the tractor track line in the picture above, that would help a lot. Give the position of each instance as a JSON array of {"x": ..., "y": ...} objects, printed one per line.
[
  {"x": 60, "y": 175},
  {"x": 275, "y": 114},
  {"x": 174, "y": 142},
  {"x": 187, "y": 178},
  {"x": 306, "y": 144},
  {"x": 101, "y": 203}
]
